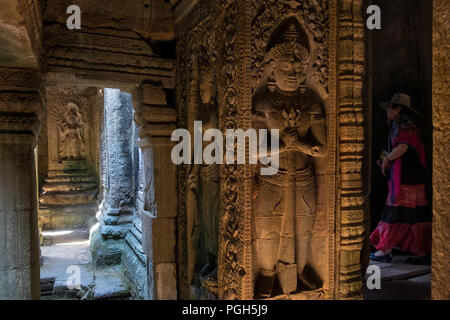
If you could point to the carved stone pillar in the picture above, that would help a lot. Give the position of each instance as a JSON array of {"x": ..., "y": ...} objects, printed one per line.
[
  {"x": 156, "y": 121},
  {"x": 118, "y": 125},
  {"x": 20, "y": 113},
  {"x": 103, "y": 165},
  {"x": 134, "y": 259},
  {"x": 441, "y": 153}
]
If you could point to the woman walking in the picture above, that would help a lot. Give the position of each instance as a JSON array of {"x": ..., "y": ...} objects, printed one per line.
[{"x": 406, "y": 219}]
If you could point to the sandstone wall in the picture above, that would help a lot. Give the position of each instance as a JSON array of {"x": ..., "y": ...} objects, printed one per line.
[
  {"x": 233, "y": 36},
  {"x": 440, "y": 288}
]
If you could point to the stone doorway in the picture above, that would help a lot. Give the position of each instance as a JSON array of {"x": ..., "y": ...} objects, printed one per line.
[
  {"x": 124, "y": 47},
  {"x": 89, "y": 192},
  {"x": 400, "y": 60}
]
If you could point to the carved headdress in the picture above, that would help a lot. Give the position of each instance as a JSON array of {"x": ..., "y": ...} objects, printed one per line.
[{"x": 291, "y": 44}]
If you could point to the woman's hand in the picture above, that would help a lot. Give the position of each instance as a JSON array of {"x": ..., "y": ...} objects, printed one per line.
[
  {"x": 386, "y": 164},
  {"x": 380, "y": 162}
]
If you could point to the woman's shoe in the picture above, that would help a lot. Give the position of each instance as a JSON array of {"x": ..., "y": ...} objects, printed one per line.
[{"x": 384, "y": 258}]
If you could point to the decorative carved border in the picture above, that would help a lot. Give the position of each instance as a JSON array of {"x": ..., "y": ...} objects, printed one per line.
[
  {"x": 440, "y": 288},
  {"x": 247, "y": 291},
  {"x": 232, "y": 267},
  {"x": 182, "y": 172},
  {"x": 332, "y": 143},
  {"x": 350, "y": 225}
]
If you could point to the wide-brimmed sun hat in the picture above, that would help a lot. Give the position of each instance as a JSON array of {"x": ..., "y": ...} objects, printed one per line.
[{"x": 401, "y": 99}]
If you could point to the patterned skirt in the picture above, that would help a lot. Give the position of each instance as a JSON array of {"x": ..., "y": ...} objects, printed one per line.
[{"x": 405, "y": 223}]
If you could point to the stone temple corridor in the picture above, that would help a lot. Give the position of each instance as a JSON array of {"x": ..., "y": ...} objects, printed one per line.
[{"x": 214, "y": 149}]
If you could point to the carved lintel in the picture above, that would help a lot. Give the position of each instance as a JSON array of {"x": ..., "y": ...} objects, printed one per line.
[
  {"x": 153, "y": 94},
  {"x": 153, "y": 116},
  {"x": 156, "y": 114},
  {"x": 156, "y": 129},
  {"x": 21, "y": 102},
  {"x": 31, "y": 11},
  {"x": 20, "y": 79}
]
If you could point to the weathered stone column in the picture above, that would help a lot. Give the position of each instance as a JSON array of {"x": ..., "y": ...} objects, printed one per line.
[
  {"x": 157, "y": 121},
  {"x": 440, "y": 271},
  {"x": 20, "y": 113},
  {"x": 118, "y": 125},
  {"x": 134, "y": 259}
]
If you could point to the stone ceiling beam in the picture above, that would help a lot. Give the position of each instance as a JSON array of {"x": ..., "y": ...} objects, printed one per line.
[
  {"x": 21, "y": 34},
  {"x": 117, "y": 46}
]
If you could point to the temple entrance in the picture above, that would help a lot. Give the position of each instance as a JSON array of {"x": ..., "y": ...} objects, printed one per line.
[
  {"x": 102, "y": 198},
  {"x": 89, "y": 181},
  {"x": 400, "y": 56}
]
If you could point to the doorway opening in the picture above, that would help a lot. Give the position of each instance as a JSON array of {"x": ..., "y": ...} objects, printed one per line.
[
  {"x": 88, "y": 168},
  {"x": 400, "y": 61}
]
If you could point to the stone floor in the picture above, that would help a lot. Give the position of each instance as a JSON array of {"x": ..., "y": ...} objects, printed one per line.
[
  {"x": 401, "y": 281},
  {"x": 63, "y": 263}
]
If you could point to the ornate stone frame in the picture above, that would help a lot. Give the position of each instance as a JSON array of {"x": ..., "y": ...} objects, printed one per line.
[
  {"x": 441, "y": 139},
  {"x": 348, "y": 219},
  {"x": 345, "y": 119}
]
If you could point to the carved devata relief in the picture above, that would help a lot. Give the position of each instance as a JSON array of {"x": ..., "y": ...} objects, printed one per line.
[
  {"x": 202, "y": 194},
  {"x": 70, "y": 120},
  {"x": 70, "y": 130},
  {"x": 289, "y": 69},
  {"x": 284, "y": 210},
  {"x": 72, "y": 134}
]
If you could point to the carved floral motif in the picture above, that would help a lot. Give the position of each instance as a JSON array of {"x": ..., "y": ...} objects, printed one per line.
[{"x": 231, "y": 269}]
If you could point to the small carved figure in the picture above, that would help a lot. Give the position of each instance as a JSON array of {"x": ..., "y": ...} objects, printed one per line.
[
  {"x": 285, "y": 202},
  {"x": 203, "y": 192},
  {"x": 71, "y": 133}
]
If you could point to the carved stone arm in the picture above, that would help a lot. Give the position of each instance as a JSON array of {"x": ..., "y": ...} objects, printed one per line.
[
  {"x": 317, "y": 149},
  {"x": 193, "y": 177},
  {"x": 319, "y": 130}
]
